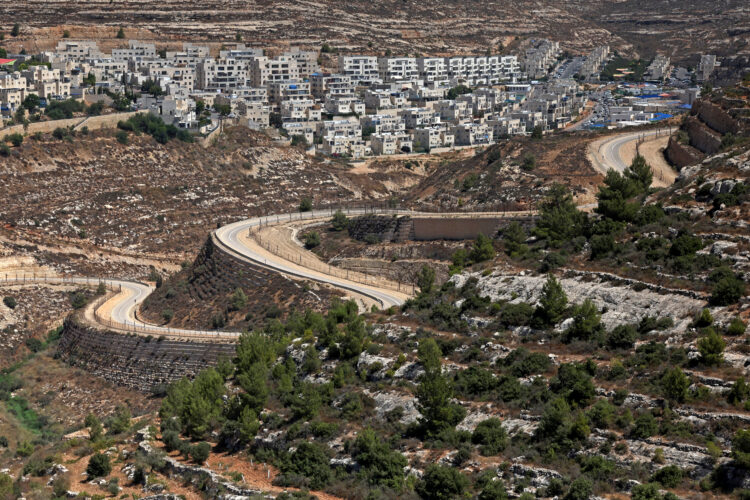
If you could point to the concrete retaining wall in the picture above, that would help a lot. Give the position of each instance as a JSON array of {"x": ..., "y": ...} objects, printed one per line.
[
  {"x": 428, "y": 228},
  {"x": 134, "y": 361},
  {"x": 454, "y": 229}
]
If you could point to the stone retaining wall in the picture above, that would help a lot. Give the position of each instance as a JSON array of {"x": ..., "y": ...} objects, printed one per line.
[
  {"x": 92, "y": 122},
  {"x": 135, "y": 361},
  {"x": 715, "y": 117},
  {"x": 702, "y": 137},
  {"x": 681, "y": 155}
]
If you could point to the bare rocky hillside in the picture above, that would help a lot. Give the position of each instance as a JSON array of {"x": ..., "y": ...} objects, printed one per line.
[{"x": 404, "y": 26}]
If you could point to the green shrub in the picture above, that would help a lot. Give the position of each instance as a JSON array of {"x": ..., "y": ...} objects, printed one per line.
[
  {"x": 675, "y": 384},
  {"x": 552, "y": 303},
  {"x": 442, "y": 483},
  {"x": 200, "y": 452},
  {"x": 602, "y": 414},
  {"x": 711, "y": 348},
  {"x": 491, "y": 437},
  {"x": 99, "y": 465},
  {"x": 15, "y": 139},
  {"x": 309, "y": 460},
  {"x": 580, "y": 489},
  {"x": 622, "y": 337},
  {"x": 669, "y": 476},
  {"x": 516, "y": 314},
  {"x": 741, "y": 448},
  {"x": 482, "y": 249},
  {"x": 305, "y": 205},
  {"x": 727, "y": 291},
  {"x": 739, "y": 392},
  {"x": 10, "y": 302},
  {"x": 587, "y": 323},
  {"x": 736, "y": 327},
  {"x": 312, "y": 239},
  {"x": 122, "y": 137},
  {"x": 645, "y": 426},
  {"x": 339, "y": 222},
  {"x": 379, "y": 464}
]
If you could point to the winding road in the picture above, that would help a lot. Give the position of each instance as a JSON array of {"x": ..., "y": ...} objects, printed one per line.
[
  {"x": 607, "y": 153},
  {"x": 118, "y": 310}
]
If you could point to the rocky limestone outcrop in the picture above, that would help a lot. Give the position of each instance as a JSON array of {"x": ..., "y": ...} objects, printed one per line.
[
  {"x": 212, "y": 484},
  {"x": 620, "y": 304}
]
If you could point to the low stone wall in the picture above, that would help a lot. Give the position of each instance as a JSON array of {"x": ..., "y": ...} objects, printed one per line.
[
  {"x": 681, "y": 155},
  {"x": 135, "y": 361},
  {"x": 92, "y": 122}
]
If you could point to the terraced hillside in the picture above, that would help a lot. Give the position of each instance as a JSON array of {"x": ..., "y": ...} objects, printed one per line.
[{"x": 633, "y": 27}]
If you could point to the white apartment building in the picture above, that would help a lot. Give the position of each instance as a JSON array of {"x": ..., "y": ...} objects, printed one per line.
[
  {"x": 335, "y": 85},
  {"x": 426, "y": 94},
  {"x": 307, "y": 61},
  {"x": 362, "y": 70},
  {"x": 530, "y": 119},
  {"x": 390, "y": 143},
  {"x": 106, "y": 67},
  {"x": 471, "y": 134},
  {"x": 252, "y": 94},
  {"x": 300, "y": 129},
  {"x": 453, "y": 111},
  {"x": 298, "y": 110},
  {"x": 136, "y": 51},
  {"x": 431, "y": 138},
  {"x": 77, "y": 50},
  {"x": 47, "y": 83},
  {"x": 264, "y": 71},
  {"x": 344, "y": 105},
  {"x": 419, "y": 117},
  {"x": 288, "y": 90},
  {"x": 343, "y": 146},
  {"x": 540, "y": 57},
  {"x": 12, "y": 91},
  {"x": 658, "y": 69},
  {"x": 377, "y": 99},
  {"x": 432, "y": 70},
  {"x": 503, "y": 126},
  {"x": 190, "y": 55},
  {"x": 398, "y": 69},
  {"x": 221, "y": 74},
  {"x": 257, "y": 113},
  {"x": 241, "y": 53},
  {"x": 181, "y": 76},
  {"x": 706, "y": 67},
  {"x": 383, "y": 123},
  {"x": 591, "y": 67}
]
